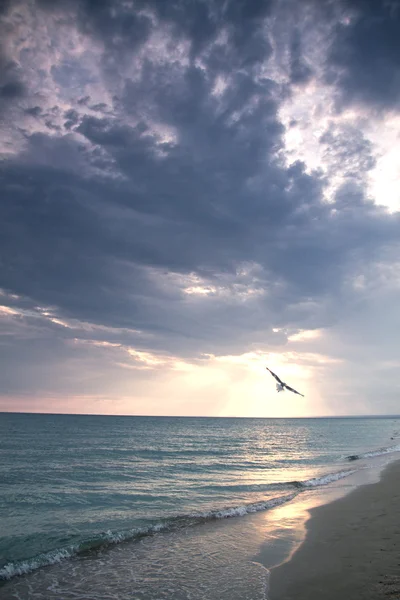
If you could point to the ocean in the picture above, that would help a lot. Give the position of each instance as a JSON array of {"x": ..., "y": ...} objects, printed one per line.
[{"x": 115, "y": 507}]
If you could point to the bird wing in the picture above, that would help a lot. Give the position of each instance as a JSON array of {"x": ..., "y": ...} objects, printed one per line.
[
  {"x": 293, "y": 390},
  {"x": 276, "y": 376}
]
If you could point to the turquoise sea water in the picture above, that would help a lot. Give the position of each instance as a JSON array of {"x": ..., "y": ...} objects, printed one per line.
[{"x": 76, "y": 489}]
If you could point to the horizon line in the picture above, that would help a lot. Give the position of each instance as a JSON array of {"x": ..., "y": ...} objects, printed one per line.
[{"x": 353, "y": 416}]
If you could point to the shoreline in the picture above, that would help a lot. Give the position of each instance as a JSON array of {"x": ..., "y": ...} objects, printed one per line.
[
  {"x": 351, "y": 548},
  {"x": 229, "y": 565}
]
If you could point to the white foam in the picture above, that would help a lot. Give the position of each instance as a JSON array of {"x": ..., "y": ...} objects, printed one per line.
[
  {"x": 380, "y": 452},
  {"x": 122, "y": 536},
  {"x": 13, "y": 569},
  {"x": 326, "y": 479},
  {"x": 372, "y": 453},
  {"x": 240, "y": 511}
]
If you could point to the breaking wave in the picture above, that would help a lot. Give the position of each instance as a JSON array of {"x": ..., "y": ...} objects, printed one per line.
[
  {"x": 109, "y": 538},
  {"x": 373, "y": 453},
  {"x": 324, "y": 479}
]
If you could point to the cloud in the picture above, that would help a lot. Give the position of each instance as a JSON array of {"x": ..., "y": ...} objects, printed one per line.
[
  {"x": 190, "y": 180},
  {"x": 363, "y": 61},
  {"x": 300, "y": 71}
]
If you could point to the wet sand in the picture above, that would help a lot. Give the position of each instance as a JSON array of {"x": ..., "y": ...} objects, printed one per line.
[{"x": 351, "y": 549}]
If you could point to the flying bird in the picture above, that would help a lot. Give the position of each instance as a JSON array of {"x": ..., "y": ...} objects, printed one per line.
[{"x": 280, "y": 386}]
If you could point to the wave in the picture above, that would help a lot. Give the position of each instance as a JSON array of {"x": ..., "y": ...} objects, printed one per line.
[
  {"x": 243, "y": 487},
  {"x": 110, "y": 538},
  {"x": 240, "y": 511},
  {"x": 373, "y": 453},
  {"x": 324, "y": 479},
  {"x": 23, "y": 567},
  {"x": 283, "y": 485}
]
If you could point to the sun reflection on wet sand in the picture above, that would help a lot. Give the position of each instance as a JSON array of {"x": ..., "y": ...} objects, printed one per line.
[{"x": 284, "y": 528}]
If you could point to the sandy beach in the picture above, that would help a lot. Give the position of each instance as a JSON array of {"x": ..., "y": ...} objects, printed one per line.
[{"x": 351, "y": 549}]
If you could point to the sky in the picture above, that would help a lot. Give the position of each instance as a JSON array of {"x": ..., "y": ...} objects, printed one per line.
[{"x": 191, "y": 191}]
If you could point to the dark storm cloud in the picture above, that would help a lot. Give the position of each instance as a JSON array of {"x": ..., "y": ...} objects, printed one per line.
[
  {"x": 80, "y": 237},
  {"x": 124, "y": 27},
  {"x": 200, "y": 22},
  {"x": 33, "y": 111},
  {"x": 364, "y": 60},
  {"x": 179, "y": 172},
  {"x": 12, "y": 88},
  {"x": 72, "y": 117},
  {"x": 300, "y": 71}
]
